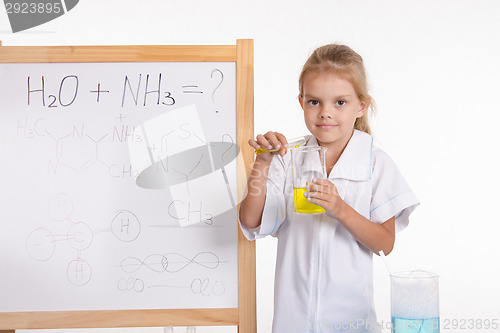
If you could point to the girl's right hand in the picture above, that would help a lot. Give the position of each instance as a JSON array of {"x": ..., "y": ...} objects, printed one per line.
[{"x": 270, "y": 141}]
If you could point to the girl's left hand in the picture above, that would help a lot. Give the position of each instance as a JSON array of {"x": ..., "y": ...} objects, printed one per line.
[{"x": 324, "y": 193}]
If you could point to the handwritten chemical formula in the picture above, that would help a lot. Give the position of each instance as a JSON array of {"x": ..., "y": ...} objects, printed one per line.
[{"x": 142, "y": 92}]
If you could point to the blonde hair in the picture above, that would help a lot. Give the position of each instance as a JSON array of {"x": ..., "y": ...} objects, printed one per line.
[{"x": 343, "y": 61}]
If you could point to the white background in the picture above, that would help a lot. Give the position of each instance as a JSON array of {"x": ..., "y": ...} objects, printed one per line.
[{"x": 433, "y": 70}]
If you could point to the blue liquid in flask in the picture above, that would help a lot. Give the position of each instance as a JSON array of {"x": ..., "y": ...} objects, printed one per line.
[{"x": 403, "y": 325}]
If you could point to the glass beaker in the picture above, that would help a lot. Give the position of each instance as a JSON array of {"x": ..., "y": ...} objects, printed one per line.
[
  {"x": 415, "y": 302},
  {"x": 308, "y": 162}
]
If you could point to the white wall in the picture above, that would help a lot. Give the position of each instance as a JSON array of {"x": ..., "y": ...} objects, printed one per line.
[{"x": 433, "y": 68}]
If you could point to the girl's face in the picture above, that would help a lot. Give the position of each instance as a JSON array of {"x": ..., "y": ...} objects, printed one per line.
[{"x": 331, "y": 106}]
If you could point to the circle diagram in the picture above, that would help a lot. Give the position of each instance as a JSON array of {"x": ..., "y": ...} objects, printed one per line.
[
  {"x": 80, "y": 236},
  {"x": 40, "y": 244},
  {"x": 125, "y": 226}
]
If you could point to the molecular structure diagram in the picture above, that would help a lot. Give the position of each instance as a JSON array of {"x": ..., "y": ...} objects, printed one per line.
[
  {"x": 41, "y": 242},
  {"x": 77, "y": 150}
]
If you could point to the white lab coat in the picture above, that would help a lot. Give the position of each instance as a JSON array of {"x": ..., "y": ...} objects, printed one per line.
[{"x": 324, "y": 280}]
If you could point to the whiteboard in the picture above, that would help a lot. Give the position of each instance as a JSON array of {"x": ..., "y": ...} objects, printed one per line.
[{"x": 86, "y": 225}]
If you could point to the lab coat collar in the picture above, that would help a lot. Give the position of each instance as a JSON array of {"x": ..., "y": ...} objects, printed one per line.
[{"x": 355, "y": 161}]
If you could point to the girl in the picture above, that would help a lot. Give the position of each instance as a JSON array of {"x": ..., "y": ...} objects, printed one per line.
[{"x": 323, "y": 275}]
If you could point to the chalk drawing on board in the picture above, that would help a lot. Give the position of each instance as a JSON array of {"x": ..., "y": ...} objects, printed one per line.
[
  {"x": 171, "y": 262},
  {"x": 131, "y": 284},
  {"x": 79, "y": 272},
  {"x": 125, "y": 226},
  {"x": 41, "y": 243},
  {"x": 193, "y": 169},
  {"x": 202, "y": 286},
  {"x": 180, "y": 211},
  {"x": 76, "y": 143},
  {"x": 75, "y": 148},
  {"x": 220, "y": 76},
  {"x": 88, "y": 148},
  {"x": 60, "y": 207}
]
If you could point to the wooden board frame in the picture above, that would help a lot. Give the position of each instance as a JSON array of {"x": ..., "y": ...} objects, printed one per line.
[{"x": 245, "y": 315}]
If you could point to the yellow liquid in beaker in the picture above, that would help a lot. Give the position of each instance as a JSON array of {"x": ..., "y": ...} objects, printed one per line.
[{"x": 302, "y": 205}]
